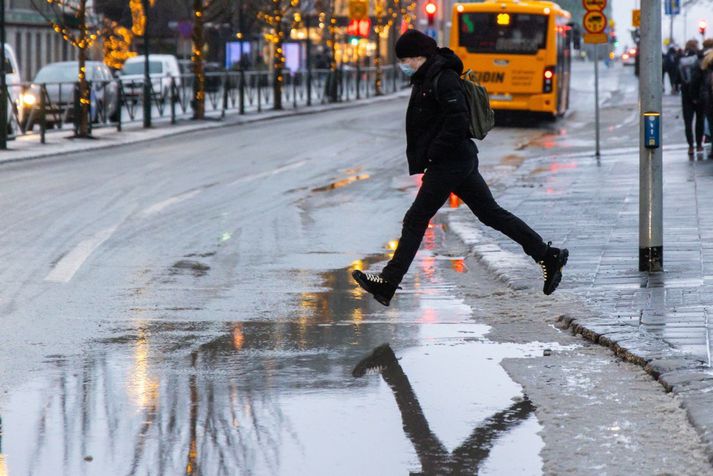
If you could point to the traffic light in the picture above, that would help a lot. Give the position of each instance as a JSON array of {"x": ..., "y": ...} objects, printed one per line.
[
  {"x": 702, "y": 25},
  {"x": 430, "y": 9}
]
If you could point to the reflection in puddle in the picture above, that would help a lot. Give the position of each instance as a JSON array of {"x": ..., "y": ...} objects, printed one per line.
[
  {"x": 432, "y": 453},
  {"x": 266, "y": 397}
]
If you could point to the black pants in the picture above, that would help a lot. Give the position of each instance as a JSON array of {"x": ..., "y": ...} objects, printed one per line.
[
  {"x": 691, "y": 109},
  {"x": 463, "y": 179}
]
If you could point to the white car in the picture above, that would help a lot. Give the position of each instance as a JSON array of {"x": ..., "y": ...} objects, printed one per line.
[
  {"x": 162, "y": 69},
  {"x": 14, "y": 86}
]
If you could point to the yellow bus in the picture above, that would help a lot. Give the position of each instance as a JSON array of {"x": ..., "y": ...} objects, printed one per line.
[{"x": 520, "y": 51}]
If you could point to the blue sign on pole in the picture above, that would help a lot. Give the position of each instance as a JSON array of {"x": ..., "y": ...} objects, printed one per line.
[{"x": 672, "y": 7}]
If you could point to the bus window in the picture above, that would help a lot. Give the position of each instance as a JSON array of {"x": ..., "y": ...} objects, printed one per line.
[{"x": 506, "y": 33}]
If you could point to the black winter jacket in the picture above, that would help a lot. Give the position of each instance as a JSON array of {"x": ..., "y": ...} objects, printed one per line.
[{"x": 437, "y": 121}]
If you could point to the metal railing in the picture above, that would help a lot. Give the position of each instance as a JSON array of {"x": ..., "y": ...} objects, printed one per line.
[{"x": 37, "y": 108}]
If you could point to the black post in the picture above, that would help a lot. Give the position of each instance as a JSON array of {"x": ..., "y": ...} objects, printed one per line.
[
  {"x": 147, "y": 75},
  {"x": 3, "y": 82},
  {"x": 309, "y": 61},
  {"x": 241, "y": 26}
]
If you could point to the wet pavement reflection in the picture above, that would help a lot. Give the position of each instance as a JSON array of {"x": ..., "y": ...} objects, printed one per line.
[{"x": 278, "y": 396}]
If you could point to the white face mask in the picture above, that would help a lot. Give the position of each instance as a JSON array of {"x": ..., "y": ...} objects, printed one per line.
[{"x": 407, "y": 69}]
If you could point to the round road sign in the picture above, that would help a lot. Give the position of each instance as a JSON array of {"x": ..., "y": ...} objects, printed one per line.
[
  {"x": 594, "y": 22},
  {"x": 594, "y": 5}
]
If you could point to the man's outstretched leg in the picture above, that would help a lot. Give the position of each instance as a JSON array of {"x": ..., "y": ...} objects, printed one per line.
[
  {"x": 476, "y": 194},
  {"x": 437, "y": 184}
]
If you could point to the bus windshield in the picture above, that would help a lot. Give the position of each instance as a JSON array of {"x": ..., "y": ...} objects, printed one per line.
[{"x": 506, "y": 33}]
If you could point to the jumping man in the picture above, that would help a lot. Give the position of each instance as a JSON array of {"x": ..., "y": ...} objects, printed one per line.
[{"x": 438, "y": 145}]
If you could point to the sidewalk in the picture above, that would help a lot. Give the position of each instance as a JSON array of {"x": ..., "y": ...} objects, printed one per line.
[
  {"x": 62, "y": 143},
  {"x": 660, "y": 321}
]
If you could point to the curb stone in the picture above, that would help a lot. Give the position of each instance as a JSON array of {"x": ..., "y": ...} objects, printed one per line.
[{"x": 682, "y": 374}]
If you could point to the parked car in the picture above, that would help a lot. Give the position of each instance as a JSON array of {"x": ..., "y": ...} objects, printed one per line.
[
  {"x": 162, "y": 68},
  {"x": 14, "y": 88},
  {"x": 59, "y": 80}
]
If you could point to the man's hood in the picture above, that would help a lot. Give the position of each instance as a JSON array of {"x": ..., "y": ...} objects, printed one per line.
[{"x": 444, "y": 59}]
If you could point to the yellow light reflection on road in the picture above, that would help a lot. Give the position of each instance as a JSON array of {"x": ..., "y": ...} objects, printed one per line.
[
  {"x": 143, "y": 389},
  {"x": 238, "y": 337}
]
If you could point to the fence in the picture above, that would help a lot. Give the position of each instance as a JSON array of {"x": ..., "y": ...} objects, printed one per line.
[{"x": 40, "y": 108}]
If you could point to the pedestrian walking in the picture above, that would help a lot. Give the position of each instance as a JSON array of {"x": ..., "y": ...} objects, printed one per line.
[
  {"x": 689, "y": 69},
  {"x": 670, "y": 67},
  {"x": 707, "y": 88},
  {"x": 438, "y": 145}
]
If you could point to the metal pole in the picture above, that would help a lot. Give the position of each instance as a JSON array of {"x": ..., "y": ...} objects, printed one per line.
[
  {"x": 650, "y": 159},
  {"x": 670, "y": 30},
  {"x": 147, "y": 75},
  {"x": 3, "y": 81},
  {"x": 596, "y": 98},
  {"x": 241, "y": 88}
]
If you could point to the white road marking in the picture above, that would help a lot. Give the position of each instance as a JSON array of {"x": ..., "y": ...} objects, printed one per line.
[
  {"x": 157, "y": 207},
  {"x": 65, "y": 269},
  {"x": 269, "y": 173}
]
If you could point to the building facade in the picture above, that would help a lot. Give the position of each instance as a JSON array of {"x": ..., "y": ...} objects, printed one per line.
[{"x": 34, "y": 42}]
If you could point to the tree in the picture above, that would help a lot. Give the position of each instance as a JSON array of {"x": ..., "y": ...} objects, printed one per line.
[
  {"x": 275, "y": 18},
  {"x": 78, "y": 24}
]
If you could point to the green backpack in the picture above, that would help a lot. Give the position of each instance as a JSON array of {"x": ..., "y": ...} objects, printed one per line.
[{"x": 482, "y": 117}]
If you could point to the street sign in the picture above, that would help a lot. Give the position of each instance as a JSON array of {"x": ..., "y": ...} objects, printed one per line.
[
  {"x": 594, "y": 22},
  {"x": 595, "y": 38},
  {"x": 594, "y": 5},
  {"x": 636, "y": 18},
  {"x": 672, "y": 7},
  {"x": 358, "y": 9},
  {"x": 430, "y": 31}
]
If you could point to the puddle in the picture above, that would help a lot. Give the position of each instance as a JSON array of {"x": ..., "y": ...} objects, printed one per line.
[
  {"x": 195, "y": 268},
  {"x": 268, "y": 396},
  {"x": 341, "y": 183}
]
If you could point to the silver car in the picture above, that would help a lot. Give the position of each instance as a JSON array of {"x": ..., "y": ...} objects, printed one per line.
[{"x": 59, "y": 80}]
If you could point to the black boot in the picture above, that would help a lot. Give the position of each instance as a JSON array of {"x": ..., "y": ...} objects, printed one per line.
[
  {"x": 552, "y": 265},
  {"x": 374, "y": 284}
]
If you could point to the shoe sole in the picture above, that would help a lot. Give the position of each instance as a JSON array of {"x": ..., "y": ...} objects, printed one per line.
[
  {"x": 363, "y": 284},
  {"x": 562, "y": 261}
]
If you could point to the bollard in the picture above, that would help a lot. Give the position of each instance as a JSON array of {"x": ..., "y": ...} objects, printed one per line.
[
  {"x": 43, "y": 113},
  {"x": 173, "y": 97},
  {"x": 294, "y": 90},
  {"x": 119, "y": 103},
  {"x": 358, "y": 79},
  {"x": 242, "y": 89},
  {"x": 225, "y": 95}
]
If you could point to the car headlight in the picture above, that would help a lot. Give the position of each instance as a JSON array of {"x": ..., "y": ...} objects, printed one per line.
[{"x": 28, "y": 99}]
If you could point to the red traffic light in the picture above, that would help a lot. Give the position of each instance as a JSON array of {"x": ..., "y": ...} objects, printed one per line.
[
  {"x": 702, "y": 25},
  {"x": 430, "y": 8}
]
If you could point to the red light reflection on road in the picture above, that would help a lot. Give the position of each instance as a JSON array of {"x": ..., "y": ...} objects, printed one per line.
[{"x": 458, "y": 265}]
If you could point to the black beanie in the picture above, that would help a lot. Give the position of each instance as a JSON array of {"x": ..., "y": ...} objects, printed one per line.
[{"x": 414, "y": 43}]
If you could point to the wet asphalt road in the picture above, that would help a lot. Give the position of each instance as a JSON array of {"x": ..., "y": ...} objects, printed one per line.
[{"x": 186, "y": 307}]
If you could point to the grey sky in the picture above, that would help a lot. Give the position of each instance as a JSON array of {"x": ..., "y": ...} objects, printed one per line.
[{"x": 703, "y": 9}]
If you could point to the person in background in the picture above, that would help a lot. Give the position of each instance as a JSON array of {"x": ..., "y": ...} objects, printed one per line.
[
  {"x": 707, "y": 88},
  {"x": 670, "y": 67},
  {"x": 689, "y": 69}
]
